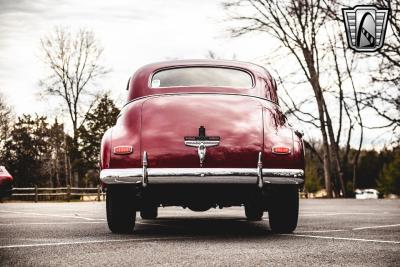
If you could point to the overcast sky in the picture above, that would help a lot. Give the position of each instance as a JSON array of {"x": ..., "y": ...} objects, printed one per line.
[{"x": 133, "y": 33}]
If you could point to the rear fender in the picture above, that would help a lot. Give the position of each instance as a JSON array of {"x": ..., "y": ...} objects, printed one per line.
[
  {"x": 298, "y": 152},
  {"x": 127, "y": 133},
  {"x": 278, "y": 133},
  {"x": 105, "y": 149}
]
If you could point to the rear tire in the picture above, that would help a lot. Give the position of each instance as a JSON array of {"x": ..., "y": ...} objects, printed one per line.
[
  {"x": 284, "y": 209},
  {"x": 121, "y": 215},
  {"x": 149, "y": 213},
  {"x": 253, "y": 213}
]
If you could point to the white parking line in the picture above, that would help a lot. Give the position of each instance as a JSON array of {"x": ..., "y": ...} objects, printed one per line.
[
  {"x": 52, "y": 215},
  {"x": 353, "y": 229},
  {"x": 321, "y": 231},
  {"x": 335, "y": 214},
  {"x": 95, "y": 242},
  {"x": 377, "y": 226},
  {"x": 49, "y": 223},
  {"x": 67, "y": 223},
  {"x": 344, "y": 238}
]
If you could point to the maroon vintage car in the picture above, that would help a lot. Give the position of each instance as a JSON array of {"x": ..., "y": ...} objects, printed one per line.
[
  {"x": 202, "y": 134},
  {"x": 6, "y": 181}
]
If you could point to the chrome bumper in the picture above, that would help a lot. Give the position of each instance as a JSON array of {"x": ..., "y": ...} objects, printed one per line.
[
  {"x": 257, "y": 176},
  {"x": 201, "y": 176}
]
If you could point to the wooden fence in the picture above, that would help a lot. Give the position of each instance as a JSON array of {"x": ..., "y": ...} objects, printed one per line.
[{"x": 67, "y": 193}]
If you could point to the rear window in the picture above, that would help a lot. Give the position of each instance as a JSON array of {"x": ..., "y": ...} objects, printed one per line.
[{"x": 202, "y": 76}]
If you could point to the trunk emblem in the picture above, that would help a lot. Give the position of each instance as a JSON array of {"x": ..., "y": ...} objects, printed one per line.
[{"x": 202, "y": 142}]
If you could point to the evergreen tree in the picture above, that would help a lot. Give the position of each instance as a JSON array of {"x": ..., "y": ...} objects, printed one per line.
[
  {"x": 26, "y": 150},
  {"x": 313, "y": 172},
  {"x": 101, "y": 118},
  {"x": 389, "y": 179},
  {"x": 368, "y": 169},
  {"x": 58, "y": 164}
]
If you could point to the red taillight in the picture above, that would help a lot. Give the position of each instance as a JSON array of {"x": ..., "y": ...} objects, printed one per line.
[
  {"x": 281, "y": 150},
  {"x": 123, "y": 150}
]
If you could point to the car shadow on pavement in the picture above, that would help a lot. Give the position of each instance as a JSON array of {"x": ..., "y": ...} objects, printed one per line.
[{"x": 215, "y": 227}]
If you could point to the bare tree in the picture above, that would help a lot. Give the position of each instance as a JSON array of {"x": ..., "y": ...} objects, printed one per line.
[
  {"x": 386, "y": 75},
  {"x": 385, "y": 101},
  {"x": 351, "y": 104},
  {"x": 390, "y": 52},
  {"x": 6, "y": 117},
  {"x": 296, "y": 25},
  {"x": 74, "y": 63}
]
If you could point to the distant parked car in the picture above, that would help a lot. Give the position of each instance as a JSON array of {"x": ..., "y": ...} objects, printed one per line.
[
  {"x": 5, "y": 182},
  {"x": 367, "y": 194}
]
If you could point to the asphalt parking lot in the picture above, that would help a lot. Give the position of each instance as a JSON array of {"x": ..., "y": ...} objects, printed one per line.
[{"x": 330, "y": 232}]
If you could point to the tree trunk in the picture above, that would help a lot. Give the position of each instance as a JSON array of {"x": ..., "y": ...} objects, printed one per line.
[
  {"x": 66, "y": 161},
  {"x": 314, "y": 81},
  {"x": 58, "y": 184},
  {"x": 76, "y": 179},
  {"x": 335, "y": 151},
  {"x": 70, "y": 181}
]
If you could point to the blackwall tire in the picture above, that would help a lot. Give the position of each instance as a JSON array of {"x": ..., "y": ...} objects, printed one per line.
[
  {"x": 149, "y": 213},
  {"x": 121, "y": 215},
  {"x": 283, "y": 209},
  {"x": 253, "y": 213}
]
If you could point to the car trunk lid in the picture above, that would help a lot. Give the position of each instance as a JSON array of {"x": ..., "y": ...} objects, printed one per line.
[{"x": 234, "y": 120}]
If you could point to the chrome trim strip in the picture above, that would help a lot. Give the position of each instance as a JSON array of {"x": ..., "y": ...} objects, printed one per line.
[
  {"x": 197, "y": 143},
  {"x": 202, "y": 175},
  {"x": 281, "y": 180}
]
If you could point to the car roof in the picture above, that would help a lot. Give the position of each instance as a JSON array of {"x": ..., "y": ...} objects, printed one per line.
[
  {"x": 264, "y": 83},
  {"x": 205, "y": 62}
]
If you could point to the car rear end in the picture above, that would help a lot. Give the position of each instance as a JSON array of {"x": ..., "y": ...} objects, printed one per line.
[
  {"x": 202, "y": 150},
  {"x": 251, "y": 148}
]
